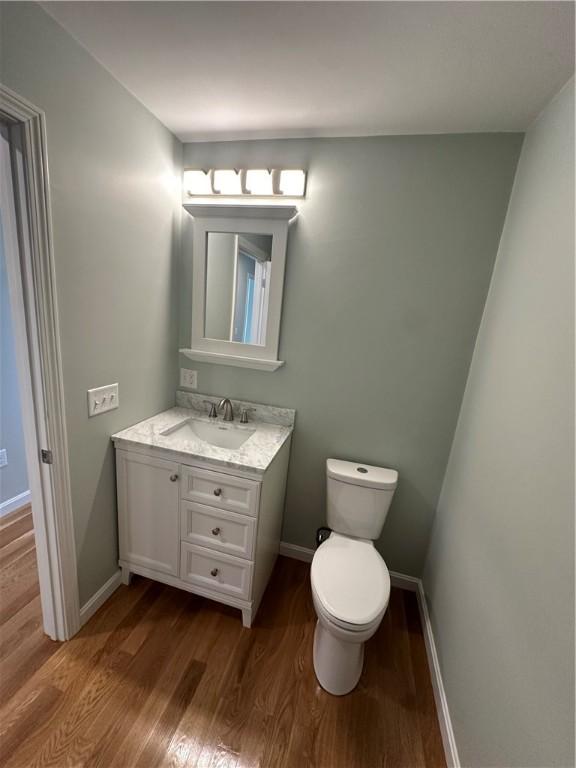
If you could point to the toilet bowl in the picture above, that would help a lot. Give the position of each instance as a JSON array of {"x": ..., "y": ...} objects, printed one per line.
[
  {"x": 350, "y": 580},
  {"x": 350, "y": 591}
]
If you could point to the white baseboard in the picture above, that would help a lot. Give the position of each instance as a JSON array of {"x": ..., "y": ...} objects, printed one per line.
[
  {"x": 402, "y": 581},
  {"x": 412, "y": 584},
  {"x": 448, "y": 740},
  {"x": 15, "y": 503},
  {"x": 296, "y": 552},
  {"x": 99, "y": 598}
]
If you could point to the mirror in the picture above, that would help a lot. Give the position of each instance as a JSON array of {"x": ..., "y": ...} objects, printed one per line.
[
  {"x": 238, "y": 277},
  {"x": 238, "y": 261}
]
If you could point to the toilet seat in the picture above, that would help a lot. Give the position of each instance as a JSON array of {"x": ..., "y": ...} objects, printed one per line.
[
  {"x": 353, "y": 632},
  {"x": 350, "y": 582}
]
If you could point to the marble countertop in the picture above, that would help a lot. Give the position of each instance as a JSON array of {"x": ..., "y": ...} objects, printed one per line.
[{"x": 253, "y": 456}]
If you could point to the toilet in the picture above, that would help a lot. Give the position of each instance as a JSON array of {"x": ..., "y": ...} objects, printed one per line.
[{"x": 350, "y": 580}]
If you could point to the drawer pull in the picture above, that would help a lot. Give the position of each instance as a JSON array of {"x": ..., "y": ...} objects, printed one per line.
[
  {"x": 215, "y": 531},
  {"x": 214, "y": 572},
  {"x": 217, "y": 491},
  {"x": 173, "y": 478}
]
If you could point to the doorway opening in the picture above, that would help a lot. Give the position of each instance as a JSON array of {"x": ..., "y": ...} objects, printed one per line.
[
  {"x": 39, "y": 534},
  {"x": 19, "y": 585}
]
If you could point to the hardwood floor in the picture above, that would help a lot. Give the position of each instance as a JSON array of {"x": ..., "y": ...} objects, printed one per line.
[{"x": 159, "y": 677}]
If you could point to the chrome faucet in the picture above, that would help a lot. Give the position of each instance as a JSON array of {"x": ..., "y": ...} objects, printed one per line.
[{"x": 228, "y": 412}]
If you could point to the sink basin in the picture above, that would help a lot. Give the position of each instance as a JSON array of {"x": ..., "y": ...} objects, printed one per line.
[{"x": 219, "y": 434}]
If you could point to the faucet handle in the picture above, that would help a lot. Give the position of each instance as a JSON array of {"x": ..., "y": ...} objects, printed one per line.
[
  {"x": 213, "y": 412},
  {"x": 244, "y": 415}
]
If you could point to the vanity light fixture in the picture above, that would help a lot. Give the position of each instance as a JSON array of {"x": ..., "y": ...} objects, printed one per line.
[{"x": 257, "y": 182}]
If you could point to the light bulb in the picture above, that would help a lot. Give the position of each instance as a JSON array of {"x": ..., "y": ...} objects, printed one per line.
[
  {"x": 227, "y": 183},
  {"x": 292, "y": 183},
  {"x": 259, "y": 182},
  {"x": 197, "y": 183}
]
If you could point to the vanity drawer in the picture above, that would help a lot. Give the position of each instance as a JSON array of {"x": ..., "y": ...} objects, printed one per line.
[
  {"x": 217, "y": 529},
  {"x": 215, "y": 571},
  {"x": 222, "y": 491}
]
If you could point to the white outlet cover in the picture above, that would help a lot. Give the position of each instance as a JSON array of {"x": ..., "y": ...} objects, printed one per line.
[
  {"x": 3, "y": 457},
  {"x": 188, "y": 378},
  {"x": 102, "y": 399}
]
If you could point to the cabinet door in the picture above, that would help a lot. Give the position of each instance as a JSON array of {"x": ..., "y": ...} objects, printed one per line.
[{"x": 148, "y": 515}]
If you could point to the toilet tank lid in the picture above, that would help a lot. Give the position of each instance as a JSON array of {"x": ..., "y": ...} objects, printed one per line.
[{"x": 361, "y": 474}]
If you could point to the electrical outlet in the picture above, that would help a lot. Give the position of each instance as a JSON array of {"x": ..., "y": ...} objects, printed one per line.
[
  {"x": 188, "y": 378},
  {"x": 3, "y": 457},
  {"x": 103, "y": 399}
]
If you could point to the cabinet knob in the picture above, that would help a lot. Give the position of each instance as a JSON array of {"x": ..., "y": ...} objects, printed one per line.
[
  {"x": 217, "y": 491},
  {"x": 215, "y": 531},
  {"x": 173, "y": 478},
  {"x": 214, "y": 572}
]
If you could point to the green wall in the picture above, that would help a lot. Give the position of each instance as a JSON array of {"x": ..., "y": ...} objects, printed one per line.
[
  {"x": 499, "y": 576},
  {"x": 115, "y": 188},
  {"x": 388, "y": 268}
]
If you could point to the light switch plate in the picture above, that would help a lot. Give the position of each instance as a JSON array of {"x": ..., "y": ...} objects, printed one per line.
[
  {"x": 188, "y": 378},
  {"x": 3, "y": 457},
  {"x": 103, "y": 399}
]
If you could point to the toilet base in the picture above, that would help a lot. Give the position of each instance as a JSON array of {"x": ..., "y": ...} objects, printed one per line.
[{"x": 337, "y": 664}]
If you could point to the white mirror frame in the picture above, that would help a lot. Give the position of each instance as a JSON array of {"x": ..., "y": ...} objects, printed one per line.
[{"x": 238, "y": 219}]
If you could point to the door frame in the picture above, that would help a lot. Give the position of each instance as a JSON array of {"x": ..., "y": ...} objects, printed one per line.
[{"x": 32, "y": 282}]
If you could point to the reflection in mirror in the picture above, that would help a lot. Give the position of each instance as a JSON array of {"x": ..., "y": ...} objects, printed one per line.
[{"x": 238, "y": 269}]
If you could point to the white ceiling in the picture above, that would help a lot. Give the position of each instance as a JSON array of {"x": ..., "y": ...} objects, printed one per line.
[{"x": 229, "y": 70}]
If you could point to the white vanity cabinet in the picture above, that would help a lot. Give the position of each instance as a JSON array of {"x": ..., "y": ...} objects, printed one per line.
[{"x": 207, "y": 529}]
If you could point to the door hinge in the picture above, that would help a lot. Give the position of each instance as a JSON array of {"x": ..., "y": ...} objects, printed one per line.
[{"x": 47, "y": 457}]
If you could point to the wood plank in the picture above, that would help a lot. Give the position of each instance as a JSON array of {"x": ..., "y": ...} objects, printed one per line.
[
  {"x": 149, "y": 681},
  {"x": 217, "y": 650},
  {"x": 23, "y": 663},
  {"x": 65, "y": 742},
  {"x": 14, "y": 528},
  {"x": 280, "y": 675},
  {"x": 18, "y": 585},
  {"x": 84, "y": 726},
  {"x": 17, "y": 601},
  {"x": 304, "y": 746},
  {"x": 17, "y": 548},
  {"x": 7, "y": 520},
  {"x": 155, "y": 716},
  {"x": 427, "y": 716},
  {"x": 71, "y": 662},
  {"x": 159, "y": 677},
  {"x": 157, "y": 743},
  {"x": 37, "y": 710},
  {"x": 71, "y": 666},
  {"x": 19, "y": 627}
]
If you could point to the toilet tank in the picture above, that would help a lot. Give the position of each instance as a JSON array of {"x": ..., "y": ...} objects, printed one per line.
[{"x": 358, "y": 497}]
